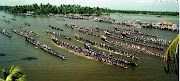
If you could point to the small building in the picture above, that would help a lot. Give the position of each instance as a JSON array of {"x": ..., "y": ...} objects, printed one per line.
[{"x": 29, "y": 13}]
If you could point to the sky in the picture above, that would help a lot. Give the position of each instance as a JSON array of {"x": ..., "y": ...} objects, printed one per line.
[{"x": 143, "y": 5}]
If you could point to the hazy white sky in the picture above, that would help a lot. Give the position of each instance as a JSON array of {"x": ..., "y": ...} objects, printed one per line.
[{"x": 150, "y": 5}]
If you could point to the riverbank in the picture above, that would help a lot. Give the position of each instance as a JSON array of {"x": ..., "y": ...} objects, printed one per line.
[
  {"x": 171, "y": 16},
  {"x": 146, "y": 12}
]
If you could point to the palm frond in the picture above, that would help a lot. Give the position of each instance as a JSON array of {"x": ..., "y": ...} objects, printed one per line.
[
  {"x": 11, "y": 69},
  {"x": 9, "y": 77},
  {"x": 2, "y": 79},
  {"x": 22, "y": 78},
  {"x": 5, "y": 74},
  {"x": 171, "y": 59},
  {"x": 3, "y": 70},
  {"x": 16, "y": 70},
  {"x": 14, "y": 74}
]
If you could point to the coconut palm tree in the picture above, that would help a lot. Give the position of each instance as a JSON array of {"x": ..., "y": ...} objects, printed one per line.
[
  {"x": 14, "y": 74},
  {"x": 171, "y": 59}
]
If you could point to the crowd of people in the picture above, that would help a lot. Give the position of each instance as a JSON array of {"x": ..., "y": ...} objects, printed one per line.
[
  {"x": 130, "y": 23},
  {"x": 136, "y": 41},
  {"x": 28, "y": 31},
  {"x": 133, "y": 47},
  {"x": 19, "y": 32},
  {"x": 72, "y": 16},
  {"x": 134, "y": 23},
  {"x": 126, "y": 45},
  {"x": 144, "y": 34},
  {"x": 109, "y": 56},
  {"x": 150, "y": 40},
  {"x": 44, "y": 47},
  {"x": 82, "y": 29},
  {"x": 101, "y": 56},
  {"x": 132, "y": 36},
  {"x": 56, "y": 28},
  {"x": 106, "y": 47},
  {"x": 38, "y": 44},
  {"x": 128, "y": 34},
  {"x": 58, "y": 34},
  {"x": 133, "y": 32},
  {"x": 3, "y": 31}
]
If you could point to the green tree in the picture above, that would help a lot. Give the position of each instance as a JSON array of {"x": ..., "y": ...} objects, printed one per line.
[
  {"x": 171, "y": 59},
  {"x": 14, "y": 74}
]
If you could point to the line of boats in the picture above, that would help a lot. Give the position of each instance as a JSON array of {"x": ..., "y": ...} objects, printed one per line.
[
  {"x": 3, "y": 31},
  {"x": 56, "y": 28},
  {"x": 128, "y": 31},
  {"x": 126, "y": 35},
  {"x": 29, "y": 31},
  {"x": 45, "y": 47},
  {"x": 106, "y": 47},
  {"x": 58, "y": 35},
  {"x": 131, "y": 23},
  {"x": 133, "y": 47},
  {"x": 101, "y": 56},
  {"x": 143, "y": 39},
  {"x": 138, "y": 24},
  {"x": 125, "y": 45},
  {"x": 42, "y": 46},
  {"x": 134, "y": 41},
  {"x": 19, "y": 32},
  {"x": 71, "y": 16},
  {"x": 129, "y": 35},
  {"x": 84, "y": 30}
]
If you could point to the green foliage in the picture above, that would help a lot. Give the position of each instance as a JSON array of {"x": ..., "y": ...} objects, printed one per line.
[
  {"x": 48, "y": 8},
  {"x": 66, "y": 9},
  {"x": 14, "y": 74},
  {"x": 146, "y": 12},
  {"x": 171, "y": 59}
]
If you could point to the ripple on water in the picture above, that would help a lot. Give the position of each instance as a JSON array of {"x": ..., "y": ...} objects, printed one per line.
[
  {"x": 2, "y": 54},
  {"x": 29, "y": 58}
]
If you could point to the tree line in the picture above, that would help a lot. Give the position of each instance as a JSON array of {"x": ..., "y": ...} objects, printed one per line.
[
  {"x": 146, "y": 12},
  {"x": 75, "y": 9},
  {"x": 48, "y": 8}
]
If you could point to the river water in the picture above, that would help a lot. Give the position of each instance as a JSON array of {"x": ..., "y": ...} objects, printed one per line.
[{"x": 78, "y": 68}]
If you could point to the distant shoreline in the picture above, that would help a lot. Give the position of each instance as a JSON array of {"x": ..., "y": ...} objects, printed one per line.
[{"x": 44, "y": 9}]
